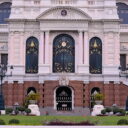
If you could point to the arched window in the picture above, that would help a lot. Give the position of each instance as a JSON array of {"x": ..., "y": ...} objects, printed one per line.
[
  {"x": 32, "y": 45},
  {"x": 5, "y": 10},
  {"x": 94, "y": 91},
  {"x": 64, "y": 54},
  {"x": 123, "y": 12},
  {"x": 95, "y": 53},
  {"x": 31, "y": 90}
]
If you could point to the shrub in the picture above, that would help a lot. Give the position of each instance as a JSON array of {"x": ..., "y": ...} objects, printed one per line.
[
  {"x": 14, "y": 121},
  {"x": 103, "y": 112},
  {"x": 16, "y": 111},
  {"x": 122, "y": 112},
  {"x": 122, "y": 122},
  {"x": 61, "y": 123},
  {"x": 21, "y": 109},
  {"x": 2, "y": 122},
  {"x": 9, "y": 110},
  {"x": 27, "y": 110},
  {"x": 116, "y": 110},
  {"x": 108, "y": 109}
]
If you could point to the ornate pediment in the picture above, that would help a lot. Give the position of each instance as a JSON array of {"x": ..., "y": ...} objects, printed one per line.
[{"x": 64, "y": 13}]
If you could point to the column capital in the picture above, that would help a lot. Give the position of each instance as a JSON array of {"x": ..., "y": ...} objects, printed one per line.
[
  {"x": 106, "y": 82},
  {"x": 41, "y": 81},
  {"x": 117, "y": 82},
  {"x": 47, "y": 31},
  {"x": 80, "y": 31},
  {"x": 86, "y": 82},
  {"x": 10, "y": 82},
  {"x": 20, "y": 81}
]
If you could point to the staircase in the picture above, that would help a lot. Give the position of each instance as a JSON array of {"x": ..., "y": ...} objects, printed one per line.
[{"x": 78, "y": 111}]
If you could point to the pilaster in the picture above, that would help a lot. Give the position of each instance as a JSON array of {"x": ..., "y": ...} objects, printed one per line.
[{"x": 47, "y": 58}]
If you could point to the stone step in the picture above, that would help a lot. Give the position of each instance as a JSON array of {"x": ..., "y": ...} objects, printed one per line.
[{"x": 78, "y": 111}]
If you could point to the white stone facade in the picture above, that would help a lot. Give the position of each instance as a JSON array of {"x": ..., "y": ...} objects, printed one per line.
[{"x": 84, "y": 20}]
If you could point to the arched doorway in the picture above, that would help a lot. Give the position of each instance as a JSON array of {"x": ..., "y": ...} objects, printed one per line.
[
  {"x": 63, "y": 54},
  {"x": 94, "y": 91},
  {"x": 63, "y": 99}
]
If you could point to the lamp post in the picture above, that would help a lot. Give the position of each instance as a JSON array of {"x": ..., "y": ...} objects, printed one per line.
[{"x": 3, "y": 70}]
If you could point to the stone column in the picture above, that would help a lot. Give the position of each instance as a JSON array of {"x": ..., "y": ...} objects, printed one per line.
[
  {"x": 47, "y": 58},
  {"x": 87, "y": 95},
  {"x": 80, "y": 47},
  {"x": 10, "y": 94},
  {"x": 41, "y": 94},
  {"x": 106, "y": 94},
  {"x": 10, "y": 49},
  {"x": 86, "y": 49},
  {"x": 117, "y": 94},
  {"x": 20, "y": 93},
  {"x": 41, "y": 49},
  {"x": 22, "y": 49}
]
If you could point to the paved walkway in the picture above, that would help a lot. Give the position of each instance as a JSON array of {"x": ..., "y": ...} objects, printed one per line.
[{"x": 63, "y": 126}]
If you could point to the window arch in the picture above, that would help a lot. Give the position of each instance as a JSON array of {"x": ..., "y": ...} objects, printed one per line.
[
  {"x": 64, "y": 54},
  {"x": 95, "y": 53},
  {"x": 5, "y": 10},
  {"x": 31, "y": 90},
  {"x": 95, "y": 90},
  {"x": 32, "y": 46},
  {"x": 123, "y": 12}
]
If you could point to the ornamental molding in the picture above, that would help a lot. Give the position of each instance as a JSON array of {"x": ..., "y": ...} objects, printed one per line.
[
  {"x": 70, "y": 13},
  {"x": 63, "y": 80}
]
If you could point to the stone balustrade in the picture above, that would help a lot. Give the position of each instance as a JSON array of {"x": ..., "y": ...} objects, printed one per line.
[
  {"x": 124, "y": 28},
  {"x": 4, "y": 28}
]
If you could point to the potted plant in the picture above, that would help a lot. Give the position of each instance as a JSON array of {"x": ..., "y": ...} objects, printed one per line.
[
  {"x": 33, "y": 98},
  {"x": 98, "y": 98}
]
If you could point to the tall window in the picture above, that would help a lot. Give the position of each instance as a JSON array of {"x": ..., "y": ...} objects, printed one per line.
[
  {"x": 32, "y": 45},
  {"x": 5, "y": 10},
  {"x": 95, "y": 53},
  {"x": 123, "y": 12},
  {"x": 123, "y": 61},
  {"x": 64, "y": 54},
  {"x": 4, "y": 60}
]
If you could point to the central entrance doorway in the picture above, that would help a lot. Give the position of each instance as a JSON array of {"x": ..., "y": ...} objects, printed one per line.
[{"x": 64, "y": 99}]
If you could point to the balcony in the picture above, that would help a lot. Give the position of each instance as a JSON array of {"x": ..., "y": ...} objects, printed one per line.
[
  {"x": 3, "y": 28},
  {"x": 64, "y": 2},
  {"x": 124, "y": 28}
]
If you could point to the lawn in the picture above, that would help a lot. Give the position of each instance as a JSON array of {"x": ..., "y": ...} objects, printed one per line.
[{"x": 38, "y": 120}]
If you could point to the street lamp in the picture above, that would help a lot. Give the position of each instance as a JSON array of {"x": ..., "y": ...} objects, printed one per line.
[{"x": 3, "y": 70}]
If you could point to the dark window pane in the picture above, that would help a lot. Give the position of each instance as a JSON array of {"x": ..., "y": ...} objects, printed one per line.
[
  {"x": 5, "y": 9},
  {"x": 123, "y": 12},
  {"x": 123, "y": 62},
  {"x": 4, "y": 59},
  {"x": 64, "y": 54},
  {"x": 32, "y": 45},
  {"x": 95, "y": 53}
]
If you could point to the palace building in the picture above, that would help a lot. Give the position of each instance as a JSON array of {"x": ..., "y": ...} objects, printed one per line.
[{"x": 65, "y": 50}]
